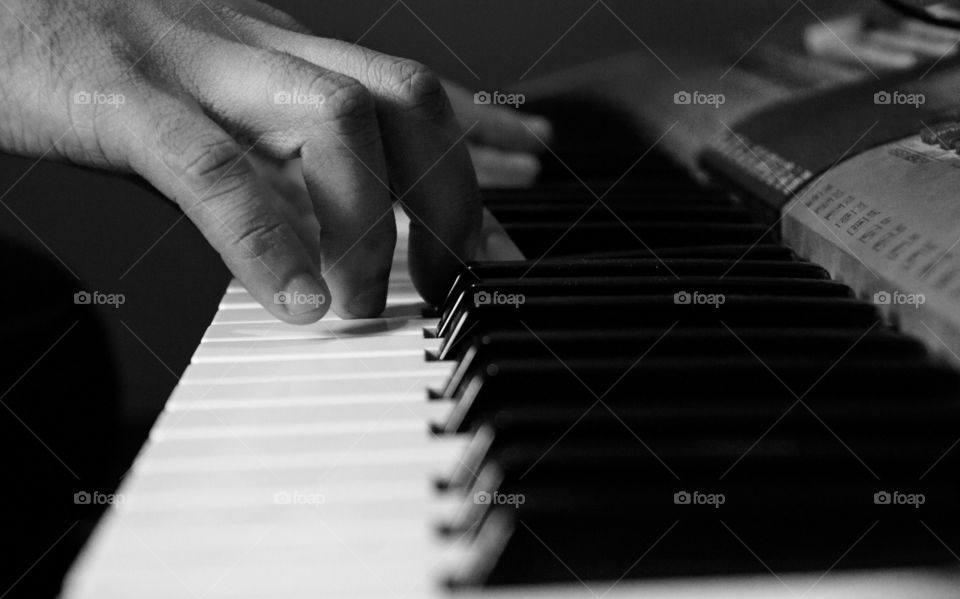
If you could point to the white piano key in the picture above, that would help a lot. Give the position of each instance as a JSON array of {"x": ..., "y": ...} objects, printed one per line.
[
  {"x": 335, "y": 502},
  {"x": 444, "y": 454},
  {"x": 401, "y": 383},
  {"x": 312, "y": 349},
  {"x": 228, "y": 402},
  {"x": 172, "y": 428},
  {"x": 269, "y": 553},
  {"x": 423, "y": 471},
  {"x": 192, "y": 546},
  {"x": 247, "y": 314},
  {"x": 325, "y": 329},
  {"x": 230, "y": 377},
  {"x": 366, "y": 383},
  {"x": 396, "y": 306},
  {"x": 268, "y": 416},
  {"x": 242, "y": 442},
  {"x": 263, "y": 576},
  {"x": 307, "y": 370}
]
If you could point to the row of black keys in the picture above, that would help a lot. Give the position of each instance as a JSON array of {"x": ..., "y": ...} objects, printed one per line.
[{"x": 667, "y": 382}]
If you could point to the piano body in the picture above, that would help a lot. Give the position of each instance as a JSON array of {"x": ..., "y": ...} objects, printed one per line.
[{"x": 663, "y": 401}]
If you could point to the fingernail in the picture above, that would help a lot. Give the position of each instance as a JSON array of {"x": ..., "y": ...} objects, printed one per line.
[{"x": 302, "y": 294}]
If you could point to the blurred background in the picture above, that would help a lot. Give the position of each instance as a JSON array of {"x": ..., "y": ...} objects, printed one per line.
[{"x": 118, "y": 236}]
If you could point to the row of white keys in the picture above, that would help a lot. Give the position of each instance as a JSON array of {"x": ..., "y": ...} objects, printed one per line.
[{"x": 289, "y": 462}]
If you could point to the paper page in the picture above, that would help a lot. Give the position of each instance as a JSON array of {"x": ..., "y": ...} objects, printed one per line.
[{"x": 887, "y": 222}]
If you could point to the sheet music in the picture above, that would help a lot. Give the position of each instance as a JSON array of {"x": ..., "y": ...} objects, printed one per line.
[{"x": 888, "y": 222}]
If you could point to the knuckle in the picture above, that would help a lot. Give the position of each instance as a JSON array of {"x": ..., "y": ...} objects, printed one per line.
[
  {"x": 204, "y": 157},
  {"x": 414, "y": 87},
  {"x": 254, "y": 241},
  {"x": 282, "y": 145},
  {"x": 350, "y": 109},
  {"x": 208, "y": 163},
  {"x": 220, "y": 197}
]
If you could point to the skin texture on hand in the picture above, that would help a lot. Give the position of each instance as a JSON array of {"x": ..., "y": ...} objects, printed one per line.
[{"x": 190, "y": 95}]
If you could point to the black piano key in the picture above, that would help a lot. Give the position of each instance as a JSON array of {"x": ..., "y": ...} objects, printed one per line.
[
  {"x": 563, "y": 239},
  {"x": 512, "y": 203},
  {"x": 515, "y": 551},
  {"x": 612, "y": 267},
  {"x": 627, "y": 192},
  {"x": 760, "y": 251},
  {"x": 704, "y": 436},
  {"x": 509, "y": 290},
  {"x": 647, "y": 267},
  {"x": 644, "y": 488},
  {"x": 664, "y": 185},
  {"x": 567, "y": 343},
  {"x": 530, "y": 439},
  {"x": 567, "y": 213},
  {"x": 485, "y": 387},
  {"x": 624, "y": 311}
]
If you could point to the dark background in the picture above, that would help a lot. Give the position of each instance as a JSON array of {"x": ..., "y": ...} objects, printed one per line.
[{"x": 117, "y": 236}]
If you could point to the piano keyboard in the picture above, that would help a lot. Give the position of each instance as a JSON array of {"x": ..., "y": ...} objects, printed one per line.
[{"x": 692, "y": 400}]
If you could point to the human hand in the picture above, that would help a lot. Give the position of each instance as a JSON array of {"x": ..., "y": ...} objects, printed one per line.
[
  {"x": 503, "y": 142},
  {"x": 180, "y": 92},
  {"x": 503, "y": 145}
]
